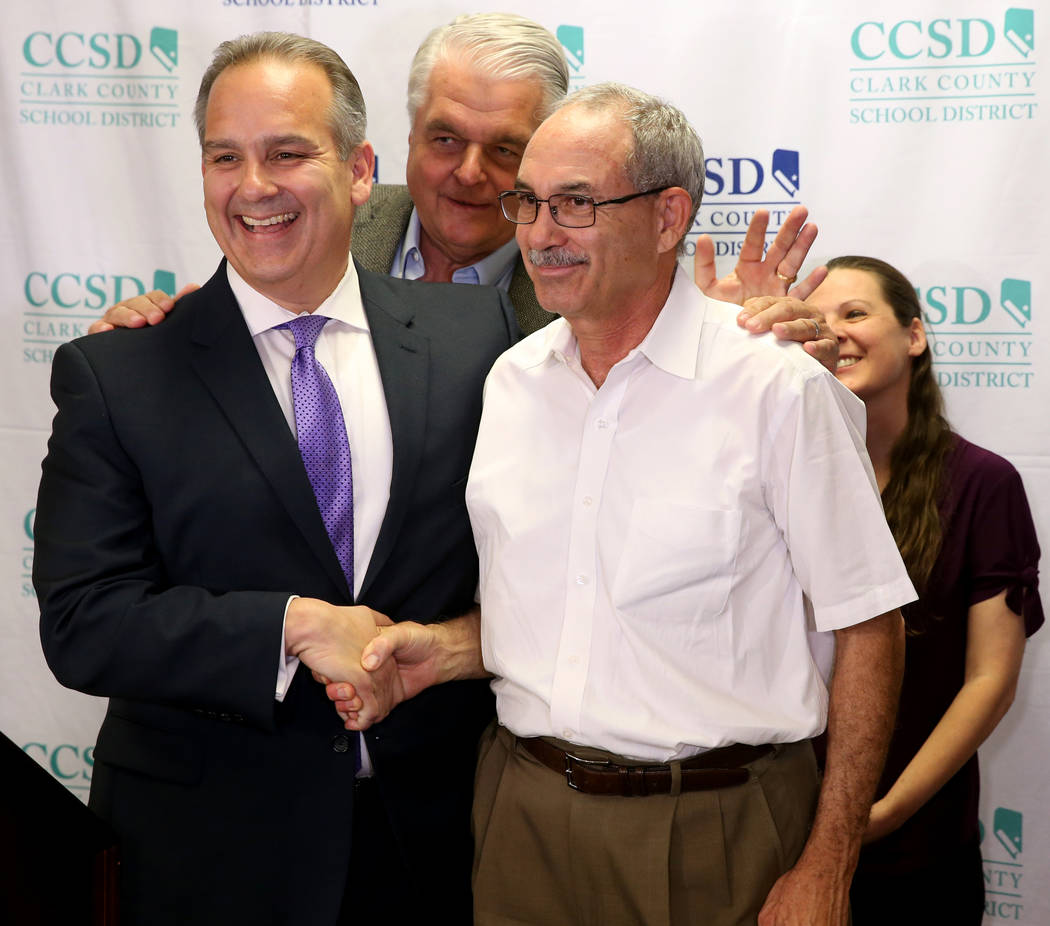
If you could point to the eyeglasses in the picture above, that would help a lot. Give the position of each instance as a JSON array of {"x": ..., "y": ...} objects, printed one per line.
[{"x": 572, "y": 210}]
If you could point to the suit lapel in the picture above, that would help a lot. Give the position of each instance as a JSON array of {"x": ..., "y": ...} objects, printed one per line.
[
  {"x": 225, "y": 358},
  {"x": 530, "y": 314},
  {"x": 403, "y": 357},
  {"x": 380, "y": 226}
]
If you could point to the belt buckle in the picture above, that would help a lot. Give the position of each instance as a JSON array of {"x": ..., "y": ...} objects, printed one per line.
[{"x": 570, "y": 758}]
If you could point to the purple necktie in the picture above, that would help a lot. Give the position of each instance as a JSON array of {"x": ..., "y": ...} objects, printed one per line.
[{"x": 321, "y": 432}]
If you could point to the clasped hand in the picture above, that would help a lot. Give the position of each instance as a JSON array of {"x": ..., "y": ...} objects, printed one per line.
[{"x": 330, "y": 640}]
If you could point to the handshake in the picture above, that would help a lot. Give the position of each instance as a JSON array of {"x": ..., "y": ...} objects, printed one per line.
[{"x": 369, "y": 665}]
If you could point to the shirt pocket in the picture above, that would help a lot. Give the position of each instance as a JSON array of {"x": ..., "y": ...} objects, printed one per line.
[{"x": 677, "y": 562}]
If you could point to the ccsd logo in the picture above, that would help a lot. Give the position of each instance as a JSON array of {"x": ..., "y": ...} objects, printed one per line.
[
  {"x": 1019, "y": 29},
  {"x": 61, "y": 306},
  {"x": 100, "y": 79},
  {"x": 735, "y": 187},
  {"x": 1003, "y": 865},
  {"x": 979, "y": 341},
  {"x": 944, "y": 69},
  {"x": 164, "y": 46},
  {"x": 571, "y": 38},
  {"x": 69, "y": 763},
  {"x": 27, "y": 555}
]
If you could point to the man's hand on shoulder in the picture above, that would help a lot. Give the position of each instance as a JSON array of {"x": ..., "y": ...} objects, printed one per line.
[
  {"x": 792, "y": 320},
  {"x": 140, "y": 311}
]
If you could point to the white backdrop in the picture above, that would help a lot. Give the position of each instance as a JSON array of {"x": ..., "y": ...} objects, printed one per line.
[{"x": 913, "y": 130}]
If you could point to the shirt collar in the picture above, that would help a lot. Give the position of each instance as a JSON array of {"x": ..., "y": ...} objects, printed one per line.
[
  {"x": 494, "y": 270},
  {"x": 672, "y": 343},
  {"x": 260, "y": 313}
]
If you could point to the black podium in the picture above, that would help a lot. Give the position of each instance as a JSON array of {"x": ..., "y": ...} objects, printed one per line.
[{"x": 58, "y": 861}]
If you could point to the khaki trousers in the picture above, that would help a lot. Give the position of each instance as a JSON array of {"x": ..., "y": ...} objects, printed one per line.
[{"x": 546, "y": 855}]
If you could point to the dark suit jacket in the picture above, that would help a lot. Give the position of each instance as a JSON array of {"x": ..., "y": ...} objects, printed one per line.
[
  {"x": 379, "y": 226},
  {"x": 174, "y": 520}
]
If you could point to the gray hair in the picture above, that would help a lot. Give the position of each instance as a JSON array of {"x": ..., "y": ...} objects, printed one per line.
[
  {"x": 667, "y": 150},
  {"x": 346, "y": 115},
  {"x": 503, "y": 46}
]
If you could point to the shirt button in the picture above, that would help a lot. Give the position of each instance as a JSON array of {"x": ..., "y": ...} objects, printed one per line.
[
  {"x": 340, "y": 743},
  {"x": 567, "y": 734},
  {"x": 602, "y": 424},
  {"x": 574, "y": 660},
  {"x": 587, "y": 501},
  {"x": 581, "y": 580}
]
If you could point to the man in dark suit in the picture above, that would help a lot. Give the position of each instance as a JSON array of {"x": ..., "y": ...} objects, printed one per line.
[{"x": 176, "y": 525}]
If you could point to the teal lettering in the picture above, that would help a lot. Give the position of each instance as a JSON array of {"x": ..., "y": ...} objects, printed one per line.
[
  {"x": 118, "y": 287},
  {"x": 56, "y": 295},
  {"x": 93, "y": 284},
  {"x": 941, "y": 37},
  {"x": 934, "y": 302},
  {"x": 123, "y": 40},
  {"x": 895, "y": 48},
  {"x": 28, "y": 523},
  {"x": 103, "y": 56},
  {"x": 55, "y": 761},
  {"x": 989, "y": 38},
  {"x": 27, "y": 51},
  {"x": 960, "y": 305},
  {"x": 59, "y": 46},
  {"x": 855, "y": 41},
  {"x": 28, "y": 291}
]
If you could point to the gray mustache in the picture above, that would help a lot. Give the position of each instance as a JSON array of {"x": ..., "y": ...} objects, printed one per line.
[{"x": 556, "y": 257}]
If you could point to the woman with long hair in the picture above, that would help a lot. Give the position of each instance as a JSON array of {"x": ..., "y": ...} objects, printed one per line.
[{"x": 964, "y": 529}]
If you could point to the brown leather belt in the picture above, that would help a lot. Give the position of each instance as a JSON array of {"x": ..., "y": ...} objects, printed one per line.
[{"x": 716, "y": 768}]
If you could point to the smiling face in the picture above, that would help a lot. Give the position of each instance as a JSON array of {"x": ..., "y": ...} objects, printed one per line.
[
  {"x": 465, "y": 146},
  {"x": 616, "y": 267},
  {"x": 875, "y": 349},
  {"x": 279, "y": 201}
]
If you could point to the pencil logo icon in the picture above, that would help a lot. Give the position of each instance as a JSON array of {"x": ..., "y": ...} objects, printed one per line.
[
  {"x": 164, "y": 44},
  {"x": 165, "y": 280},
  {"x": 571, "y": 38},
  {"x": 1019, "y": 29},
  {"x": 785, "y": 169},
  {"x": 1007, "y": 826},
  {"x": 1016, "y": 297}
]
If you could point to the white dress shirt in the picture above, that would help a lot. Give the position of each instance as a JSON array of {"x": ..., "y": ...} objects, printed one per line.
[
  {"x": 494, "y": 270},
  {"x": 344, "y": 348},
  {"x": 655, "y": 554}
]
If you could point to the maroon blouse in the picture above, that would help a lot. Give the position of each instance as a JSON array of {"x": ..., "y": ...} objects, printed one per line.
[{"x": 989, "y": 545}]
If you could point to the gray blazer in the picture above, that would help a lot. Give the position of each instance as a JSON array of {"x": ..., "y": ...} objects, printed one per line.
[{"x": 380, "y": 225}]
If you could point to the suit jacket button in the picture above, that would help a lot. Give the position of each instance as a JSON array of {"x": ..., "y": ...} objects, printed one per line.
[{"x": 340, "y": 743}]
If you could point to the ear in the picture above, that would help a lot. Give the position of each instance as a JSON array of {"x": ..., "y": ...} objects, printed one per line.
[
  {"x": 672, "y": 217},
  {"x": 362, "y": 165},
  {"x": 917, "y": 338}
]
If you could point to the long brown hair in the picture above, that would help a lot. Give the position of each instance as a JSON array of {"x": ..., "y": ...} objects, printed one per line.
[{"x": 914, "y": 493}]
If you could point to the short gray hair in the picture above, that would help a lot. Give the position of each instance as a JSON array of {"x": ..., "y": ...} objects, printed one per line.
[
  {"x": 667, "y": 151},
  {"x": 503, "y": 46},
  {"x": 346, "y": 115}
]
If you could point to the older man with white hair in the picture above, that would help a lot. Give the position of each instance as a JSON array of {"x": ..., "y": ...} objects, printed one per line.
[{"x": 668, "y": 514}]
